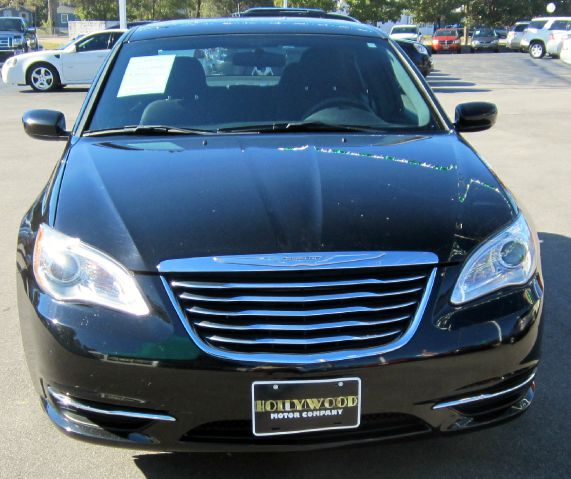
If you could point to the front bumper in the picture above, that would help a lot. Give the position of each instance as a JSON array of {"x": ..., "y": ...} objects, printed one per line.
[
  {"x": 486, "y": 46},
  {"x": 12, "y": 75},
  {"x": 111, "y": 362}
]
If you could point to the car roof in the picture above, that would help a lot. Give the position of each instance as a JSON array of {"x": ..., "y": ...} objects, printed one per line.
[
  {"x": 404, "y": 25},
  {"x": 14, "y": 18},
  {"x": 293, "y": 12},
  {"x": 253, "y": 25}
]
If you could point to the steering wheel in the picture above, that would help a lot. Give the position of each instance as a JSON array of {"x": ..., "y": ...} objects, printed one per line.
[{"x": 336, "y": 102}]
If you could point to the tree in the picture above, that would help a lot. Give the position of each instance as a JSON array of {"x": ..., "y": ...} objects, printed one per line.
[{"x": 372, "y": 11}]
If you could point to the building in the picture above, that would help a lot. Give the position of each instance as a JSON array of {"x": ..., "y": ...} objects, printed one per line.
[
  {"x": 28, "y": 15},
  {"x": 64, "y": 15}
]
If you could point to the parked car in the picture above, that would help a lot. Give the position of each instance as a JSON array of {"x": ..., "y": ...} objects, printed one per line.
[
  {"x": 295, "y": 261},
  {"x": 76, "y": 63},
  {"x": 543, "y": 35},
  {"x": 501, "y": 33},
  {"x": 446, "y": 39},
  {"x": 484, "y": 38},
  {"x": 419, "y": 54},
  {"x": 563, "y": 49},
  {"x": 16, "y": 37},
  {"x": 406, "y": 32},
  {"x": 515, "y": 35}
]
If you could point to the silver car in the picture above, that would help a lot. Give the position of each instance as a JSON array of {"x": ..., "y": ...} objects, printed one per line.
[
  {"x": 515, "y": 35},
  {"x": 543, "y": 34}
]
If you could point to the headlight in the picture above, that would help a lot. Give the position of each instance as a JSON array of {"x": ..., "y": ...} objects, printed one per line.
[
  {"x": 70, "y": 270},
  {"x": 494, "y": 41},
  {"x": 457, "y": 42},
  {"x": 420, "y": 48},
  {"x": 475, "y": 42},
  {"x": 17, "y": 41},
  {"x": 12, "y": 61},
  {"x": 507, "y": 259},
  {"x": 435, "y": 41}
]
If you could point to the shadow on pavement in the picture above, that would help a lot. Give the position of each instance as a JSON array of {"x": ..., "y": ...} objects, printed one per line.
[
  {"x": 63, "y": 90},
  {"x": 443, "y": 83},
  {"x": 535, "y": 444}
]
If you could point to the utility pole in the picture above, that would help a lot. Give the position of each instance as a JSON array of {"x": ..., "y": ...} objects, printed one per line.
[
  {"x": 285, "y": 3},
  {"x": 52, "y": 14},
  {"x": 123, "y": 14}
]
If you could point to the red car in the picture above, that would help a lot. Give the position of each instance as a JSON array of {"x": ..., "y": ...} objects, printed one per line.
[{"x": 446, "y": 39}]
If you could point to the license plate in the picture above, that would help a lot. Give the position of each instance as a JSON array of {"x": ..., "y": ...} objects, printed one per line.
[
  {"x": 292, "y": 407},
  {"x": 446, "y": 47}
]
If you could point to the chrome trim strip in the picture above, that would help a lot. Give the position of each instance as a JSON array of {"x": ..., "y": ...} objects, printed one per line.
[
  {"x": 297, "y": 314},
  {"x": 300, "y": 359},
  {"x": 295, "y": 299},
  {"x": 298, "y": 327},
  {"x": 314, "y": 284},
  {"x": 302, "y": 341},
  {"x": 66, "y": 401},
  {"x": 297, "y": 261},
  {"x": 482, "y": 397}
]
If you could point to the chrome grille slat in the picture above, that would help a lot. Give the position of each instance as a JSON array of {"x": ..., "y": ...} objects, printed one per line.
[
  {"x": 302, "y": 341},
  {"x": 296, "y": 299},
  {"x": 299, "y": 327},
  {"x": 298, "y": 314},
  {"x": 282, "y": 309},
  {"x": 292, "y": 285}
]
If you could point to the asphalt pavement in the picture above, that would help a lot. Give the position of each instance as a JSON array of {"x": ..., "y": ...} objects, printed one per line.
[{"x": 529, "y": 148}]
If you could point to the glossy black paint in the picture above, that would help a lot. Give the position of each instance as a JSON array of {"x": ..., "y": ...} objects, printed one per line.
[
  {"x": 143, "y": 200},
  {"x": 45, "y": 125},
  {"x": 475, "y": 116},
  {"x": 234, "y": 194}
]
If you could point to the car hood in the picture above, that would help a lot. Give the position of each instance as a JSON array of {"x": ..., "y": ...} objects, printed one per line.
[
  {"x": 145, "y": 200},
  {"x": 446, "y": 38},
  {"x": 484, "y": 39}
]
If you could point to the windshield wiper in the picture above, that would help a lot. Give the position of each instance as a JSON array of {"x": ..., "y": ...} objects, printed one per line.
[
  {"x": 301, "y": 126},
  {"x": 148, "y": 130}
]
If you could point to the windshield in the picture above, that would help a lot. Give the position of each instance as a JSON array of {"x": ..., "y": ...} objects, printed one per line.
[
  {"x": 446, "y": 33},
  {"x": 404, "y": 30},
  {"x": 520, "y": 27},
  {"x": 484, "y": 32},
  {"x": 11, "y": 25},
  {"x": 233, "y": 81},
  {"x": 537, "y": 24}
]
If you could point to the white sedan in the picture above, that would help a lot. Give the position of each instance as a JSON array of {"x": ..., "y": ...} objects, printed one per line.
[{"x": 76, "y": 63}]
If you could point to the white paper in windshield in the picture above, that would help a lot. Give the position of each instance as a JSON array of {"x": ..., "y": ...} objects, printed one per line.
[{"x": 146, "y": 75}]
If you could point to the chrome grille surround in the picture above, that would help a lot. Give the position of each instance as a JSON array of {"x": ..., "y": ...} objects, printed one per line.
[{"x": 233, "y": 289}]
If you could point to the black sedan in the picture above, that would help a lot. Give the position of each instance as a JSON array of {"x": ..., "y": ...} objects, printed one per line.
[
  {"x": 419, "y": 55},
  {"x": 299, "y": 252}
]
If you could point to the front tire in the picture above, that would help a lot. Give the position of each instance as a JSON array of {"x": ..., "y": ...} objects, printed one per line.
[
  {"x": 537, "y": 50},
  {"x": 472, "y": 50},
  {"x": 43, "y": 77}
]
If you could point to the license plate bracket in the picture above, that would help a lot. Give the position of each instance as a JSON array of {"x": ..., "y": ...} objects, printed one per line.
[{"x": 293, "y": 407}]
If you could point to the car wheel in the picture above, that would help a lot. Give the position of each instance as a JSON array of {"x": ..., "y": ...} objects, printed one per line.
[
  {"x": 459, "y": 51},
  {"x": 43, "y": 77},
  {"x": 472, "y": 50},
  {"x": 497, "y": 50},
  {"x": 537, "y": 50}
]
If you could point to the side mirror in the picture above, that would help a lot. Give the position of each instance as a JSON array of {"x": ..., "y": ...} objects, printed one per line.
[
  {"x": 45, "y": 125},
  {"x": 475, "y": 116},
  {"x": 31, "y": 30}
]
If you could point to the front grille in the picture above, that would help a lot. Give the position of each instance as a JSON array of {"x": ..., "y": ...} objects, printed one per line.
[
  {"x": 301, "y": 312},
  {"x": 5, "y": 42},
  {"x": 373, "y": 426}
]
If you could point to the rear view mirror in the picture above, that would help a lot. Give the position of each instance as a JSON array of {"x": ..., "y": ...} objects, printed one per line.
[
  {"x": 45, "y": 125},
  {"x": 475, "y": 116},
  {"x": 258, "y": 58}
]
